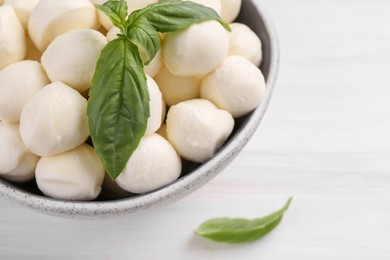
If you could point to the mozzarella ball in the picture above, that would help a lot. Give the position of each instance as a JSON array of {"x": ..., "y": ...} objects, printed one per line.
[
  {"x": 155, "y": 105},
  {"x": 131, "y": 6},
  {"x": 75, "y": 175},
  {"x": 54, "y": 120},
  {"x": 176, "y": 89},
  {"x": 197, "y": 129},
  {"x": 23, "y": 9},
  {"x": 51, "y": 18},
  {"x": 153, "y": 165},
  {"x": 18, "y": 83},
  {"x": 103, "y": 18},
  {"x": 197, "y": 50},
  {"x": 72, "y": 57},
  {"x": 214, "y": 4},
  {"x": 236, "y": 86},
  {"x": 12, "y": 37},
  {"x": 17, "y": 163},
  {"x": 112, "y": 34},
  {"x": 139, "y": 4},
  {"x": 230, "y": 10},
  {"x": 244, "y": 42}
]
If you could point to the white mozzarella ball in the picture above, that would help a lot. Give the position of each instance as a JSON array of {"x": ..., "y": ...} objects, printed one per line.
[
  {"x": 214, "y": 4},
  {"x": 18, "y": 83},
  {"x": 197, "y": 129},
  {"x": 139, "y": 4},
  {"x": 176, "y": 89},
  {"x": 112, "y": 34},
  {"x": 103, "y": 18},
  {"x": 75, "y": 175},
  {"x": 197, "y": 50},
  {"x": 244, "y": 42},
  {"x": 54, "y": 120},
  {"x": 72, "y": 57},
  {"x": 236, "y": 86},
  {"x": 153, "y": 165},
  {"x": 17, "y": 163},
  {"x": 23, "y": 9},
  {"x": 230, "y": 10},
  {"x": 131, "y": 4},
  {"x": 153, "y": 67},
  {"x": 155, "y": 106},
  {"x": 51, "y": 18},
  {"x": 12, "y": 37}
]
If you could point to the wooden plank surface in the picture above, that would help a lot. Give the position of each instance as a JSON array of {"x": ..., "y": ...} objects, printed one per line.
[{"x": 325, "y": 140}]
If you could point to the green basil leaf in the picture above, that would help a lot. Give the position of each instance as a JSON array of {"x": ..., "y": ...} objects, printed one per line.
[
  {"x": 146, "y": 38},
  {"x": 118, "y": 107},
  {"x": 175, "y": 15},
  {"x": 116, "y": 10},
  {"x": 166, "y": 16},
  {"x": 239, "y": 230}
]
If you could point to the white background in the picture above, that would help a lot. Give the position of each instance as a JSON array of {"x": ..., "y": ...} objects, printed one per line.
[{"x": 325, "y": 140}]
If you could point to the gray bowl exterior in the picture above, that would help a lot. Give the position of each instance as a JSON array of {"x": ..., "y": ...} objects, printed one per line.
[{"x": 255, "y": 17}]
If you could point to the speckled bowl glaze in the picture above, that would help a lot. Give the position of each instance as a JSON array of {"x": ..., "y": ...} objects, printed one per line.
[{"x": 197, "y": 175}]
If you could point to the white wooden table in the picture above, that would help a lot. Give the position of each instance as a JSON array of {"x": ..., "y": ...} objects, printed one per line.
[{"x": 325, "y": 140}]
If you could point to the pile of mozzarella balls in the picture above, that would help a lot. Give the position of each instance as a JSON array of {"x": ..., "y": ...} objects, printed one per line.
[{"x": 202, "y": 79}]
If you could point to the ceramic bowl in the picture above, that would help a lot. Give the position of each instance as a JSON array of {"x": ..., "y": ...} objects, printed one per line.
[{"x": 194, "y": 176}]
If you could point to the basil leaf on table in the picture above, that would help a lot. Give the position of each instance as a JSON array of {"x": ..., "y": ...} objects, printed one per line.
[
  {"x": 118, "y": 108},
  {"x": 240, "y": 230}
]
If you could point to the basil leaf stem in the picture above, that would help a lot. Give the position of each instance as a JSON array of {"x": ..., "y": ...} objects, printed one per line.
[{"x": 240, "y": 230}]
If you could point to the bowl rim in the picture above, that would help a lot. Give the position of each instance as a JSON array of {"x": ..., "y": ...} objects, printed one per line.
[{"x": 173, "y": 191}]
